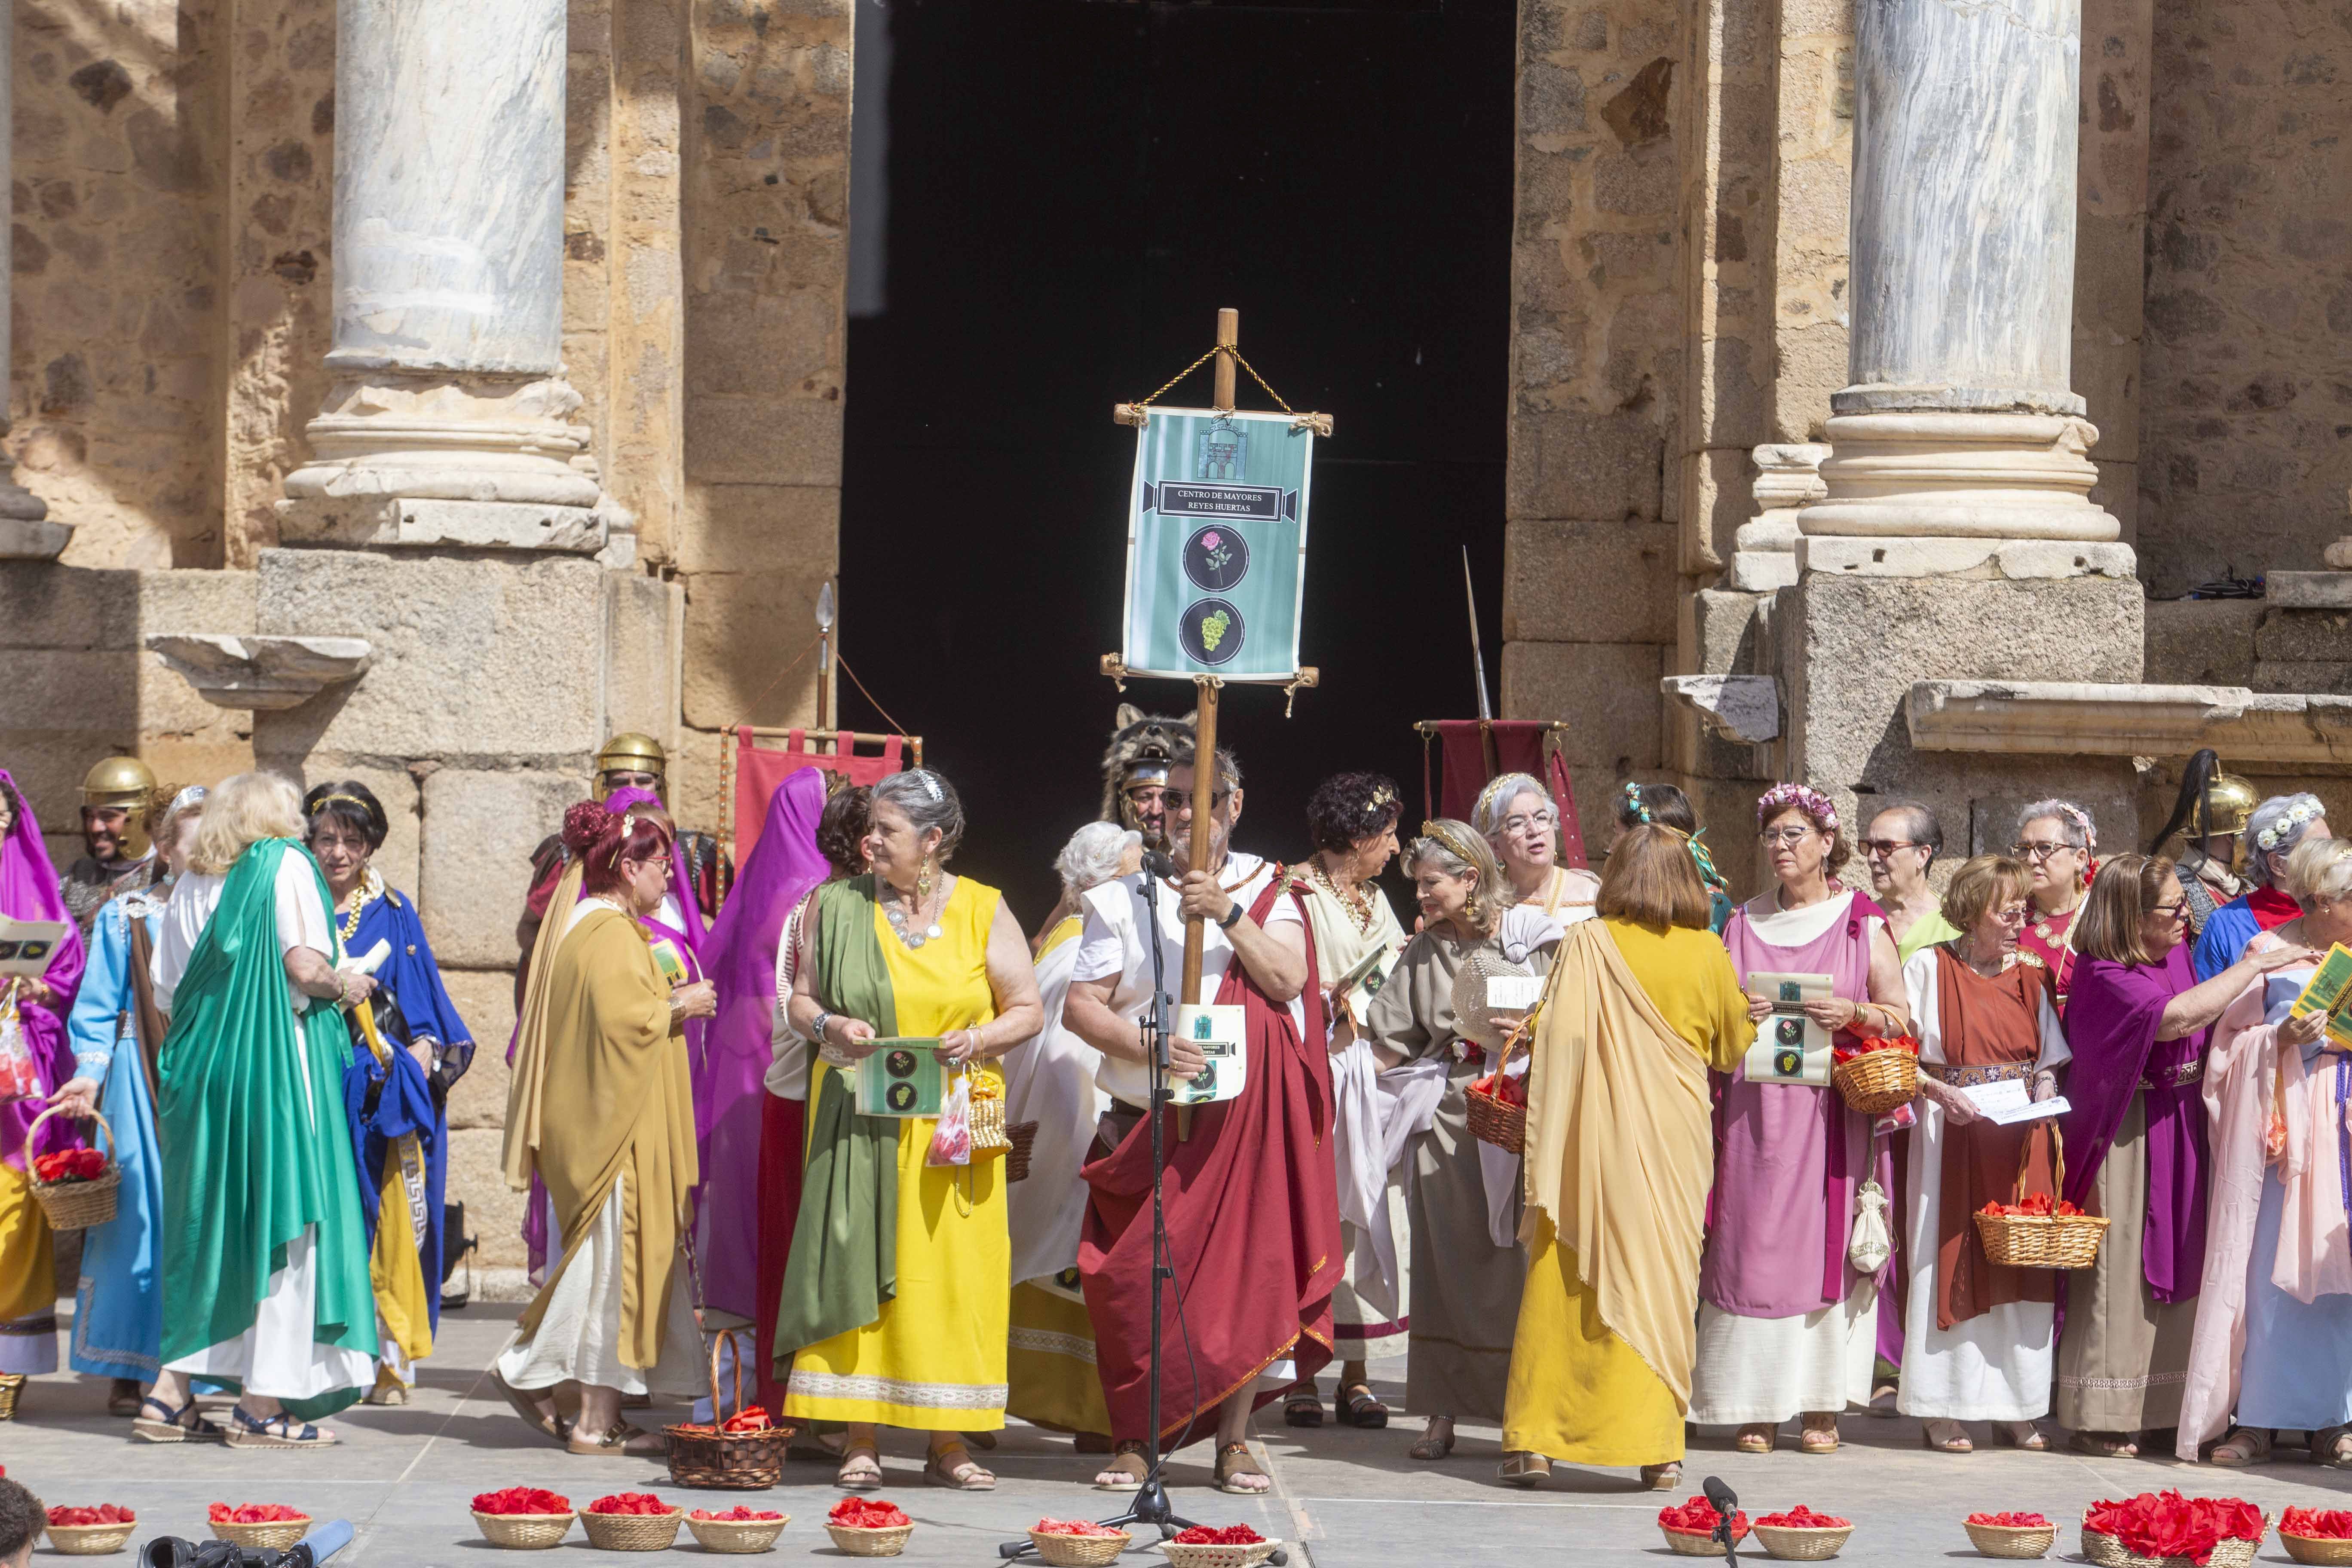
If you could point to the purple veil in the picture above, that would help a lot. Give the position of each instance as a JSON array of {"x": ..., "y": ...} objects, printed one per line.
[
  {"x": 30, "y": 891},
  {"x": 740, "y": 956},
  {"x": 689, "y": 909}
]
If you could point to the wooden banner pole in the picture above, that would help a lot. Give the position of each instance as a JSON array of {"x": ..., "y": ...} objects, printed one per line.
[{"x": 1204, "y": 688}]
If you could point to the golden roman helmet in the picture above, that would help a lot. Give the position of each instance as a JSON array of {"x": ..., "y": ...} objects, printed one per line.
[
  {"x": 633, "y": 753},
  {"x": 2223, "y": 808},
  {"x": 126, "y": 785}
]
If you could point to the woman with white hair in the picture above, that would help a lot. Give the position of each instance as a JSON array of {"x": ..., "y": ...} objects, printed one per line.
[
  {"x": 1468, "y": 1268},
  {"x": 2059, "y": 844},
  {"x": 1521, "y": 826},
  {"x": 2276, "y": 826},
  {"x": 2274, "y": 1335},
  {"x": 1050, "y": 1360},
  {"x": 265, "y": 1258}
]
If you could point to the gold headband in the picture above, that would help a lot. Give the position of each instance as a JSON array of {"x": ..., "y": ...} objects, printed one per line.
[
  {"x": 1454, "y": 846},
  {"x": 346, "y": 799}
]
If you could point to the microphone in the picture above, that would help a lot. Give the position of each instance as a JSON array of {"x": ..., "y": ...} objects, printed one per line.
[
  {"x": 1159, "y": 863},
  {"x": 1720, "y": 1497}
]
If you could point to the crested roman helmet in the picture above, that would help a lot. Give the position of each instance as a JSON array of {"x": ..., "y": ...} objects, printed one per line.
[
  {"x": 2223, "y": 808},
  {"x": 124, "y": 784},
  {"x": 633, "y": 752}
]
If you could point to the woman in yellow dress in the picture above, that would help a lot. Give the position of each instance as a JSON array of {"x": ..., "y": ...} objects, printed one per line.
[
  {"x": 895, "y": 1299},
  {"x": 1620, "y": 1155}
]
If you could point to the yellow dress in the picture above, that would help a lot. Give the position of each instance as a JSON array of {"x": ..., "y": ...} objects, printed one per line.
[
  {"x": 1578, "y": 1392},
  {"x": 934, "y": 1359}
]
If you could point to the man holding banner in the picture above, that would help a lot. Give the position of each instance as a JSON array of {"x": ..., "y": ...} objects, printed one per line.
[{"x": 1251, "y": 1203}]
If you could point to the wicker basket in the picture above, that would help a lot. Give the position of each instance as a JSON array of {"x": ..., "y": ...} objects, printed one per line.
[
  {"x": 1078, "y": 1551},
  {"x": 728, "y": 1461},
  {"x": 1693, "y": 1542},
  {"x": 91, "y": 1540},
  {"x": 1493, "y": 1119},
  {"x": 523, "y": 1531},
  {"x": 1016, "y": 1161},
  {"x": 76, "y": 1205},
  {"x": 633, "y": 1532},
  {"x": 737, "y": 1534},
  {"x": 1797, "y": 1544},
  {"x": 12, "y": 1384},
  {"x": 2013, "y": 1540},
  {"x": 1204, "y": 1554},
  {"x": 275, "y": 1536},
  {"x": 1876, "y": 1082},
  {"x": 2042, "y": 1241},
  {"x": 2324, "y": 1549},
  {"x": 859, "y": 1542},
  {"x": 2109, "y": 1552}
]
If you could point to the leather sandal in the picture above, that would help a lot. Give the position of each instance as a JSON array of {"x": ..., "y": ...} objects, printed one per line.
[
  {"x": 248, "y": 1430},
  {"x": 1359, "y": 1408},
  {"x": 1524, "y": 1469},
  {"x": 169, "y": 1425},
  {"x": 624, "y": 1441},
  {"x": 2022, "y": 1435},
  {"x": 2331, "y": 1447},
  {"x": 2104, "y": 1445},
  {"x": 1663, "y": 1477},
  {"x": 1304, "y": 1407},
  {"x": 123, "y": 1398},
  {"x": 1814, "y": 1439},
  {"x": 2246, "y": 1445},
  {"x": 1756, "y": 1437},
  {"x": 942, "y": 1468},
  {"x": 1436, "y": 1440},
  {"x": 861, "y": 1469},
  {"x": 551, "y": 1423},
  {"x": 1943, "y": 1436},
  {"x": 1131, "y": 1460},
  {"x": 1233, "y": 1462}
]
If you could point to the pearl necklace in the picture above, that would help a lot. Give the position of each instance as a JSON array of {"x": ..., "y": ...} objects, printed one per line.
[{"x": 1356, "y": 901}]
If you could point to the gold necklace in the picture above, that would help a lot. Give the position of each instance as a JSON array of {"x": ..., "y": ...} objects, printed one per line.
[
  {"x": 1356, "y": 901},
  {"x": 371, "y": 887}
]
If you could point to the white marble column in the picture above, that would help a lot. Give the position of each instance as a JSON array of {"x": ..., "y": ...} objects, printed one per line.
[
  {"x": 449, "y": 420},
  {"x": 26, "y": 533},
  {"x": 1960, "y": 421}
]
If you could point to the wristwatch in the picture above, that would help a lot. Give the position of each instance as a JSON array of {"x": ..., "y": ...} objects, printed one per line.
[
  {"x": 817, "y": 1026},
  {"x": 1232, "y": 915}
]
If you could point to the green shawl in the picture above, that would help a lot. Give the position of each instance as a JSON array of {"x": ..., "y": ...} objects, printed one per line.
[
  {"x": 845, "y": 1256},
  {"x": 241, "y": 1178}
]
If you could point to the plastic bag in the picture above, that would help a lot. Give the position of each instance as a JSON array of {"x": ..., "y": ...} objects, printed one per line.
[
  {"x": 951, "y": 1138},
  {"x": 20, "y": 1075},
  {"x": 1871, "y": 1242}
]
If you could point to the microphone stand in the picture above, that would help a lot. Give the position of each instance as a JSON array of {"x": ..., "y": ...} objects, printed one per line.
[{"x": 1151, "y": 1505}]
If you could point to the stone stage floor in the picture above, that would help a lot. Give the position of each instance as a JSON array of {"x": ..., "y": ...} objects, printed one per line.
[{"x": 1351, "y": 1498}]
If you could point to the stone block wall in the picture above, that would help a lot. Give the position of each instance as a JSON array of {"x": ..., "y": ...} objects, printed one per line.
[
  {"x": 1596, "y": 381},
  {"x": 2247, "y": 415}
]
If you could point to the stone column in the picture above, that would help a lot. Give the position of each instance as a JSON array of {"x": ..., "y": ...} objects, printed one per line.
[
  {"x": 1959, "y": 421},
  {"x": 1787, "y": 476},
  {"x": 449, "y": 420},
  {"x": 26, "y": 533}
]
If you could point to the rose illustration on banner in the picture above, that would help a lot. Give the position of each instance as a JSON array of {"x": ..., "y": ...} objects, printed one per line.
[{"x": 1216, "y": 558}]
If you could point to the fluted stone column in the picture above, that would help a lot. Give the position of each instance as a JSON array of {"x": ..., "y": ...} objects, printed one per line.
[
  {"x": 449, "y": 420},
  {"x": 26, "y": 533},
  {"x": 1960, "y": 422}
]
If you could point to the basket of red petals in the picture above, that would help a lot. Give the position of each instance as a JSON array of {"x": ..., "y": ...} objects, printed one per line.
[
  {"x": 1877, "y": 1073},
  {"x": 2165, "y": 1530},
  {"x": 1800, "y": 1535},
  {"x": 523, "y": 1518},
  {"x": 2011, "y": 1534},
  {"x": 1077, "y": 1543},
  {"x": 264, "y": 1526},
  {"x": 75, "y": 1186},
  {"x": 737, "y": 1528},
  {"x": 2039, "y": 1231},
  {"x": 632, "y": 1521},
  {"x": 1690, "y": 1528},
  {"x": 868, "y": 1527},
  {"x": 1497, "y": 1102},
  {"x": 743, "y": 1452},
  {"x": 91, "y": 1532},
  {"x": 2309, "y": 1534},
  {"x": 1213, "y": 1546}
]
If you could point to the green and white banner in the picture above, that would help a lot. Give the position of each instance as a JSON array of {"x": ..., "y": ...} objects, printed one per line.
[{"x": 1216, "y": 545}]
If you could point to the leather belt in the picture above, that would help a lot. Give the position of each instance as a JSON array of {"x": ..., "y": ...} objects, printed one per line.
[{"x": 1969, "y": 1077}]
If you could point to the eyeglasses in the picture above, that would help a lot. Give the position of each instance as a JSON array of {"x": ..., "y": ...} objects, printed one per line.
[
  {"x": 2014, "y": 915},
  {"x": 660, "y": 860},
  {"x": 1882, "y": 848},
  {"x": 2172, "y": 911},
  {"x": 2036, "y": 852},
  {"x": 1787, "y": 836},
  {"x": 1543, "y": 821}
]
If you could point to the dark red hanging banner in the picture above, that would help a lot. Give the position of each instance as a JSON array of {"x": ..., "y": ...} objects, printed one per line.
[{"x": 1479, "y": 750}]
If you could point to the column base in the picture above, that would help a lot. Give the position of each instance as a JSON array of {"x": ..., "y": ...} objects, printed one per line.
[
  {"x": 425, "y": 459},
  {"x": 25, "y": 532},
  {"x": 1930, "y": 473}
]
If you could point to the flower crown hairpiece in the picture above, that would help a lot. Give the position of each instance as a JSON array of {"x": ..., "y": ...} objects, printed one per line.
[
  {"x": 1383, "y": 798},
  {"x": 1454, "y": 846},
  {"x": 1812, "y": 802},
  {"x": 2081, "y": 819},
  {"x": 1634, "y": 804},
  {"x": 2299, "y": 816}
]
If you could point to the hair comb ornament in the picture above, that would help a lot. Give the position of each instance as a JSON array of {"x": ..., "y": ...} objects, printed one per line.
[{"x": 930, "y": 785}]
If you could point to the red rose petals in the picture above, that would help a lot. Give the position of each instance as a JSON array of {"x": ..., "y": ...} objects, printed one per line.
[
  {"x": 738, "y": 1514},
  {"x": 1071, "y": 1527},
  {"x": 70, "y": 1165},
  {"x": 104, "y": 1513},
  {"x": 521, "y": 1499},
  {"x": 1228, "y": 1535},
  {"x": 254, "y": 1514},
  {"x": 2011, "y": 1520},
  {"x": 1803, "y": 1517},
  {"x": 1697, "y": 1517},
  {"x": 867, "y": 1514},
  {"x": 2166, "y": 1524},
  {"x": 631, "y": 1503},
  {"x": 2317, "y": 1524}
]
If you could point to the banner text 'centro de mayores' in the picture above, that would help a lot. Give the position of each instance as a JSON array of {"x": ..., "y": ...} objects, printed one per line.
[{"x": 1216, "y": 545}]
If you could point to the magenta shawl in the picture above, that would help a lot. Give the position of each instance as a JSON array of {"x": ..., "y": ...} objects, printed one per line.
[{"x": 28, "y": 891}]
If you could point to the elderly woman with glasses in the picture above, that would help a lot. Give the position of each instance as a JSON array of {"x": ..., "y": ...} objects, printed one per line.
[
  {"x": 1787, "y": 1323},
  {"x": 1978, "y": 1338},
  {"x": 2056, "y": 841},
  {"x": 2136, "y": 1140},
  {"x": 2276, "y": 826},
  {"x": 1521, "y": 825},
  {"x": 1901, "y": 842},
  {"x": 2274, "y": 1338}
]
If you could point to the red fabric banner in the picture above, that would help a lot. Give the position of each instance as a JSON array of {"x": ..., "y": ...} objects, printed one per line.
[
  {"x": 759, "y": 770},
  {"x": 1519, "y": 748}
]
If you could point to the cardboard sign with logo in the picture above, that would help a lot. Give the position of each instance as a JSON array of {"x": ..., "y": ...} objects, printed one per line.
[
  {"x": 1791, "y": 1049},
  {"x": 902, "y": 1078},
  {"x": 1218, "y": 1029}
]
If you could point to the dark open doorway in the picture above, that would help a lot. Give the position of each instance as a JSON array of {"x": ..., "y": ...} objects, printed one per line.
[{"x": 1073, "y": 188}]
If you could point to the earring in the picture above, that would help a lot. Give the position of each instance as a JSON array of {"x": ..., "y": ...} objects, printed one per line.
[{"x": 923, "y": 881}]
